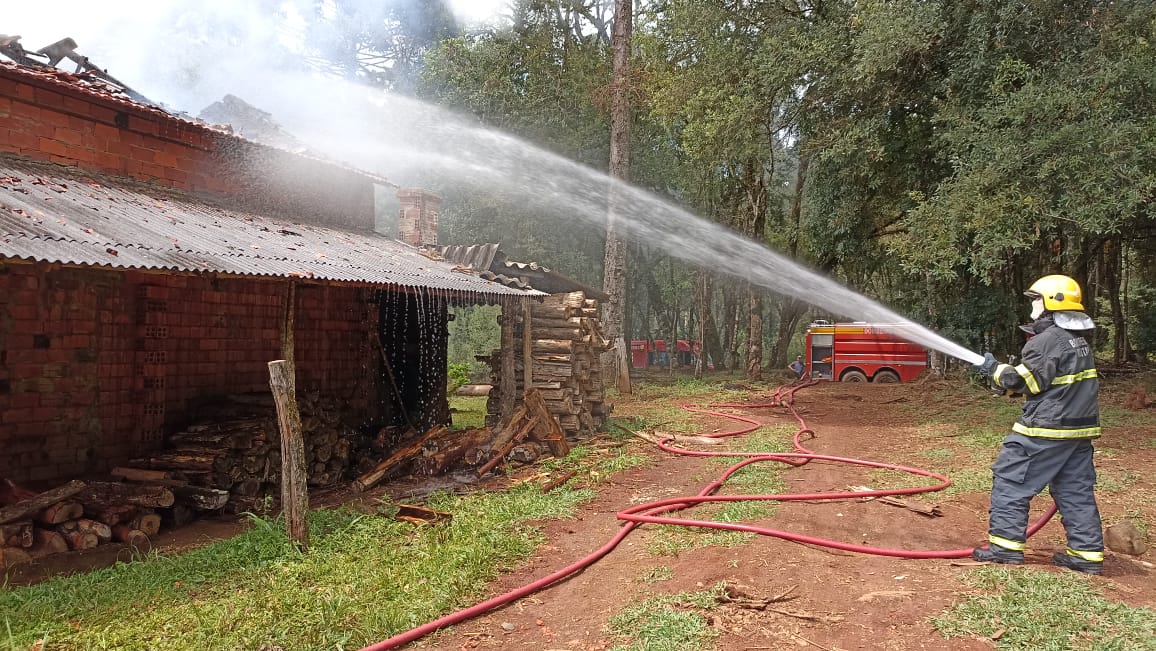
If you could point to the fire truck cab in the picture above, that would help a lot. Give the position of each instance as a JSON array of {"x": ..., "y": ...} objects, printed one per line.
[{"x": 862, "y": 352}]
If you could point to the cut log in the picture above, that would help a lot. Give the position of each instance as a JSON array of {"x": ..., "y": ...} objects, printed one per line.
[
  {"x": 451, "y": 451},
  {"x": 177, "y": 461},
  {"x": 406, "y": 454},
  {"x": 100, "y": 495},
  {"x": 102, "y": 531},
  {"x": 129, "y": 536},
  {"x": 60, "y": 512},
  {"x": 147, "y": 522},
  {"x": 553, "y": 436},
  {"x": 204, "y": 499},
  {"x": 141, "y": 474},
  {"x": 111, "y": 514},
  {"x": 78, "y": 540},
  {"x": 41, "y": 501},
  {"x": 16, "y": 534},
  {"x": 13, "y": 556},
  {"x": 547, "y": 346},
  {"x": 47, "y": 542}
]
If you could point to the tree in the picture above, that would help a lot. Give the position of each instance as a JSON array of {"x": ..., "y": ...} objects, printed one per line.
[{"x": 615, "y": 364}]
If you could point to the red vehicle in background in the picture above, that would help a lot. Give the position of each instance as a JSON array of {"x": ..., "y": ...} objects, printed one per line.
[{"x": 861, "y": 352}]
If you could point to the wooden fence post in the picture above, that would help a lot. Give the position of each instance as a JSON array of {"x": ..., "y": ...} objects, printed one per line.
[{"x": 294, "y": 492}]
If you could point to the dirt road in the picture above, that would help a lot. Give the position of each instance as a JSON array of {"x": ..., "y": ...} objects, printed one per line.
[{"x": 837, "y": 600}]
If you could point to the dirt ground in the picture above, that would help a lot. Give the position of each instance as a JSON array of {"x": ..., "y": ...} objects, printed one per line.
[{"x": 839, "y": 600}]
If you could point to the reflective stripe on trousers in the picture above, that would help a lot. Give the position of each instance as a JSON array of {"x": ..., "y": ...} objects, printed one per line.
[{"x": 1025, "y": 466}]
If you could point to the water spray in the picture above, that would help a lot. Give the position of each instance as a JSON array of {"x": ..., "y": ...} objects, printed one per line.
[{"x": 445, "y": 145}]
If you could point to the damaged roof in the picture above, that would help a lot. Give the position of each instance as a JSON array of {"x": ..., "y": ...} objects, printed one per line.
[{"x": 53, "y": 213}]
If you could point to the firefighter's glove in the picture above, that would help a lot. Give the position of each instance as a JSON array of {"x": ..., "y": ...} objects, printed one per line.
[{"x": 988, "y": 366}]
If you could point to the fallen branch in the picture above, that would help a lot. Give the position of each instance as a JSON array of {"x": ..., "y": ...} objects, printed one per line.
[{"x": 555, "y": 483}]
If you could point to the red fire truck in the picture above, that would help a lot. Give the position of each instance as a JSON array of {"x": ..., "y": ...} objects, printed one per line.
[{"x": 861, "y": 352}]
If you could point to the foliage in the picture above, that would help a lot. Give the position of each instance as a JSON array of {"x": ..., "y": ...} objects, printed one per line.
[
  {"x": 474, "y": 331},
  {"x": 458, "y": 375}
]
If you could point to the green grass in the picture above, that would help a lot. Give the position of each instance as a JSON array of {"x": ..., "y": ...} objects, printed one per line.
[
  {"x": 665, "y": 623},
  {"x": 938, "y": 454},
  {"x": 365, "y": 578},
  {"x": 1044, "y": 611},
  {"x": 1113, "y": 416},
  {"x": 594, "y": 464},
  {"x": 657, "y": 574},
  {"x": 468, "y": 411}
]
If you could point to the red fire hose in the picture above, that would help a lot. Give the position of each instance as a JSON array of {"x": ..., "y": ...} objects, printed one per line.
[{"x": 653, "y": 511}]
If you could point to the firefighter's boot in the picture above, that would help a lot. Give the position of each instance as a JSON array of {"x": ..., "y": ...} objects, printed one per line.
[
  {"x": 1063, "y": 559},
  {"x": 997, "y": 554}
]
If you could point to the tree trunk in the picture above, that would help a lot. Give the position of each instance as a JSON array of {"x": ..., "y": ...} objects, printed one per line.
[
  {"x": 755, "y": 338},
  {"x": 615, "y": 363},
  {"x": 790, "y": 311},
  {"x": 1112, "y": 278}
]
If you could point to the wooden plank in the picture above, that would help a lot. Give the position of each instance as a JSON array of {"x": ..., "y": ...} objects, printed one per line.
[
  {"x": 506, "y": 388},
  {"x": 25, "y": 508},
  {"x": 527, "y": 341},
  {"x": 294, "y": 487}
]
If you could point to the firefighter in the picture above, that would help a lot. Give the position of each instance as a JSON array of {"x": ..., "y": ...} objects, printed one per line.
[
  {"x": 1051, "y": 443},
  {"x": 798, "y": 367}
]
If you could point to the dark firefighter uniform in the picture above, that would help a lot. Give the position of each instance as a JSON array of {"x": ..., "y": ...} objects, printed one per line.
[{"x": 1051, "y": 443}]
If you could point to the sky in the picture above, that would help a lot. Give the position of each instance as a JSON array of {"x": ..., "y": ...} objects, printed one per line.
[{"x": 161, "y": 50}]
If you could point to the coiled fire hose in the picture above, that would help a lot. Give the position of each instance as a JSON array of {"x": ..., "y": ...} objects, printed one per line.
[{"x": 654, "y": 512}]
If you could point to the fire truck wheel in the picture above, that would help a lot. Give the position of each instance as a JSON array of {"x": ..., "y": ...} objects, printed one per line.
[
  {"x": 886, "y": 376},
  {"x": 853, "y": 376}
]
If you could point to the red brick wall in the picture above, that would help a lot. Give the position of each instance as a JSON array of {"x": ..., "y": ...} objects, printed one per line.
[
  {"x": 46, "y": 118},
  {"x": 95, "y": 366}
]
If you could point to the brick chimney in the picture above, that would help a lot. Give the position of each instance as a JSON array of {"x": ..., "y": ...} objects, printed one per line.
[{"x": 418, "y": 223}]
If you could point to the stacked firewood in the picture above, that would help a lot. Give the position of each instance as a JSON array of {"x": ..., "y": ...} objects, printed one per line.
[
  {"x": 81, "y": 515},
  {"x": 234, "y": 446},
  {"x": 565, "y": 343}
]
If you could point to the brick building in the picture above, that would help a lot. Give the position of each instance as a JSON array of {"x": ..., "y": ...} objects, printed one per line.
[{"x": 147, "y": 261}]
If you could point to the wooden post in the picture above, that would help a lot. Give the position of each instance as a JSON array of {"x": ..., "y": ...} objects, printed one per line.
[
  {"x": 508, "y": 389},
  {"x": 287, "y": 328},
  {"x": 527, "y": 346},
  {"x": 294, "y": 493}
]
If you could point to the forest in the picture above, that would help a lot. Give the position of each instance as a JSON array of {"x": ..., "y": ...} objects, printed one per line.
[{"x": 935, "y": 155}]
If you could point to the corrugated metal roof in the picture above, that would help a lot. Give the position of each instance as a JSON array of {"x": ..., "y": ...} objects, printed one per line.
[{"x": 53, "y": 213}]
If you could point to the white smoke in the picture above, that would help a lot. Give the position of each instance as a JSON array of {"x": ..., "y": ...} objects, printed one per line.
[{"x": 187, "y": 54}]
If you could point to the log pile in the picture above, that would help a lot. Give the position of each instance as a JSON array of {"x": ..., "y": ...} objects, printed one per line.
[
  {"x": 565, "y": 341},
  {"x": 82, "y": 515},
  {"x": 529, "y": 434},
  {"x": 235, "y": 446}
]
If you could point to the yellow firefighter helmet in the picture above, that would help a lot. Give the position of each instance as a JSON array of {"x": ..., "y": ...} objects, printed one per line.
[{"x": 1058, "y": 292}]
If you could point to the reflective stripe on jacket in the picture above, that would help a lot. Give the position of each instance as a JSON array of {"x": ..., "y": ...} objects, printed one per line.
[{"x": 1058, "y": 375}]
